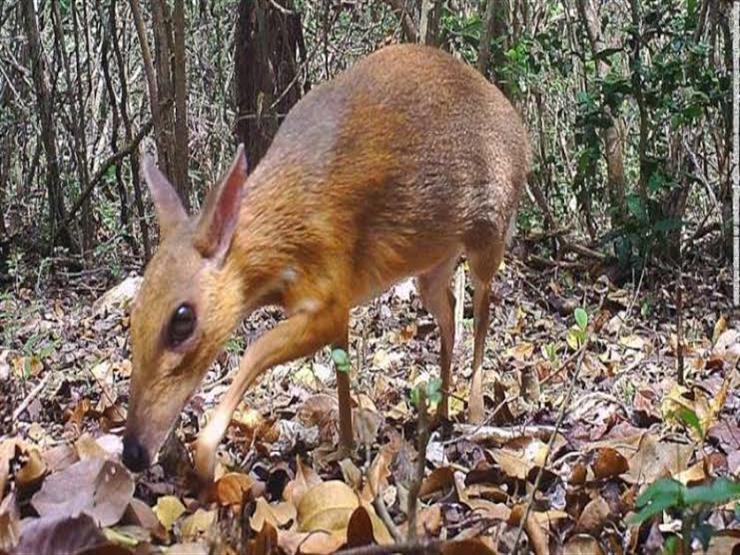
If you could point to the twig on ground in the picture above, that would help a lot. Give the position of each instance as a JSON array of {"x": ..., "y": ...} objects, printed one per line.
[
  {"x": 421, "y": 446},
  {"x": 561, "y": 416},
  {"x": 482, "y": 434},
  {"x": 426, "y": 547},
  {"x": 382, "y": 511},
  {"x": 31, "y": 396}
]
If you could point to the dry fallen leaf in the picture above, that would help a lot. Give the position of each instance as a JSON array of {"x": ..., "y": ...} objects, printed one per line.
[
  {"x": 329, "y": 506},
  {"x": 65, "y": 535},
  {"x": 99, "y": 488},
  {"x": 10, "y": 524},
  {"x": 168, "y": 509},
  {"x": 278, "y": 514},
  {"x": 232, "y": 487},
  {"x": 608, "y": 463},
  {"x": 582, "y": 544},
  {"x": 197, "y": 524},
  {"x": 594, "y": 516},
  {"x": 305, "y": 478}
]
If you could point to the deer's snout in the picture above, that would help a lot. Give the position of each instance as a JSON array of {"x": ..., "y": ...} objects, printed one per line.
[{"x": 135, "y": 456}]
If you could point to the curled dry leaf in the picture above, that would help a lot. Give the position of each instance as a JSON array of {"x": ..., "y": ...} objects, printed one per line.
[
  {"x": 594, "y": 516},
  {"x": 278, "y": 514},
  {"x": 232, "y": 488},
  {"x": 380, "y": 471},
  {"x": 32, "y": 471},
  {"x": 608, "y": 463},
  {"x": 582, "y": 544},
  {"x": 99, "y": 488},
  {"x": 305, "y": 479},
  {"x": 197, "y": 524}
]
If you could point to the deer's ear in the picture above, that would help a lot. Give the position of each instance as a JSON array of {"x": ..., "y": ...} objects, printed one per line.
[
  {"x": 220, "y": 213},
  {"x": 170, "y": 211}
]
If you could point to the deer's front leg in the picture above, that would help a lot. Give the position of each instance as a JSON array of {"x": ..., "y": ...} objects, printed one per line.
[{"x": 300, "y": 335}]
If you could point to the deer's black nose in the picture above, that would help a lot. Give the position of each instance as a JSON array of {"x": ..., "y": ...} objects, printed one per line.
[{"x": 135, "y": 456}]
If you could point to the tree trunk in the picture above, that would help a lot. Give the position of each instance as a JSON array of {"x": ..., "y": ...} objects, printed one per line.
[
  {"x": 167, "y": 90},
  {"x": 267, "y": 84},
  {"x": 179, "y": 75},
  {"x": 495, "y": 25},
  {"x": 45, "y": 104},
  {"x": 429, "y": 21},
  {"x": 613, "y": 144}
]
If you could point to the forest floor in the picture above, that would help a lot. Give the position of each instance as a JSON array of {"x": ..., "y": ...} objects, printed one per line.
[{"x": 591, "y": 450}]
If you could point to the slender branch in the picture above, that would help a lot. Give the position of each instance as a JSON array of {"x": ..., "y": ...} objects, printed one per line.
[
  {"x": 421, "y": 447},
  {"x": 558, "y": 424},
  {"x": 111, "y": 160}
]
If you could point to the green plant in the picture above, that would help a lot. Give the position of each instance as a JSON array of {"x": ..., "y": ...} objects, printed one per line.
[
  {"x": 433, "y": 392},
  {"x": 691, "y": 504},
  {"x": 341, "y": 360},
  {"x": 577, "y": 333}
]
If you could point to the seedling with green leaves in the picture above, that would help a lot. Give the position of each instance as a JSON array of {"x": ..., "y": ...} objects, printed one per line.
[
  {"x": 341, "y": 360},
  {"x": 691, "y": 504},
  {"x": 577, "y": 333}
]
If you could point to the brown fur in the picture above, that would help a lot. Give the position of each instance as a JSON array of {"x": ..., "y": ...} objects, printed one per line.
[{"x": 393, "y": 169}]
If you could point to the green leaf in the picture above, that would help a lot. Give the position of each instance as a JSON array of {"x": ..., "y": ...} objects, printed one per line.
[
  {"x": 659, "y": 496},
  {"x": 672, "y": 546},
  {"x": 434, "y": 391},
  {"x": 722, "y": 490},
  {"x": 581, "y": 318},
  {"x": 689, "y": 417},
  {"x": 341, "y": 360}
]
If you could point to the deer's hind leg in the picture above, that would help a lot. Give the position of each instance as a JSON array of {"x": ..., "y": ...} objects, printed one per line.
[
  {"x": 436, "y": 294},
  {"x": 483, "y": 260}
]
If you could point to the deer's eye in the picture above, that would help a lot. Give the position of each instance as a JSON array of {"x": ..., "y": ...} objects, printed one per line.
[{"x": 182, "y": 324}]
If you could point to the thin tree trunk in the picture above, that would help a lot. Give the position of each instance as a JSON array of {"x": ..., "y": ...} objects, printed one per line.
[
  {"x": 495, "y": 25},
  {"x": 179, "y": 75},
  {"x": 266, "y": 85},
  {"x": 429, "y": 21},
  {"x": 613, "y": 144},
  {"x": 134, "y": 156},
  {"x": 48, "y": 129}
]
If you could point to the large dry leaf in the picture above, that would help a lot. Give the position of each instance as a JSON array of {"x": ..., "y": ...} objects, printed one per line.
[
  {"x": 65, "y": 535},
  {"x": 320, "y": 542},
  {"x": 99, "y": 488},
  {"x": 329, "y": 506}
]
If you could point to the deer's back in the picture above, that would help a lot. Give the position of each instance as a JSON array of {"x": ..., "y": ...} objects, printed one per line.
[{"x": 400, "y": 158}]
